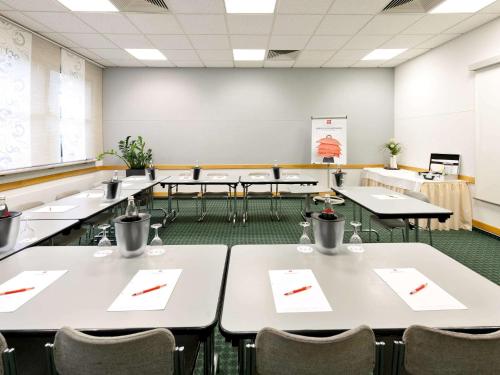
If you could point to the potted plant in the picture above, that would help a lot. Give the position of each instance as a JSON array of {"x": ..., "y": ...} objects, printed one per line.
[
  {"x": 133, "y": 153},
  {"x": 394, "y": 149}
]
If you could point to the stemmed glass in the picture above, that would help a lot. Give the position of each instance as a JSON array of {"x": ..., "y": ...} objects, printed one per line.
[
  {"x": 156, "y": 243},
  {"x": 305, "y": 241},
  {"x": 104, "y": 243},
  {"x": 28, "y": 233},
  {"x": 355, "y": 243}
]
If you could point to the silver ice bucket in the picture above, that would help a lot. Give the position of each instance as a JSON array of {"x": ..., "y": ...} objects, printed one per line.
[
  {"x": 112, "y": 190},
  {"x": 132, "y": 236},
  {"x": 9, "y": 230},
  {"x": 328, "y": 234}
]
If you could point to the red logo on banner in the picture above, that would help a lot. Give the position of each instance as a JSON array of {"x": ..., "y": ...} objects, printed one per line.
[{"x": 328, "y": 122}]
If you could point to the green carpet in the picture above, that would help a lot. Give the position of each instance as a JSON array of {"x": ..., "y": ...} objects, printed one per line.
[{"x": 476, "y": 250}]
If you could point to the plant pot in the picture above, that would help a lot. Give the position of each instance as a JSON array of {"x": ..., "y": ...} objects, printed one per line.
[
  {"x": 393, "y": 162},
  {"x": 135, "y": 172}
]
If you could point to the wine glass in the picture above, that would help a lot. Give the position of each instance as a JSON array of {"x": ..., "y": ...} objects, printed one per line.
[
  {"x": 104, "y": 243},
  {"x": 156, "y": 243},
  {"x": 28, "y": 233},
  {"x": 305, "y": 241},
  {"x": 355, "y": 243}
]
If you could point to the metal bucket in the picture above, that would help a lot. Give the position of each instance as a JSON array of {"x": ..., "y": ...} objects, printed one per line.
[
  {"x": 196, "y": 173},
  {"x": 132, "y": 236},
  {"x": 328, "y": 234},
  {"x": 339, "y": 179},
  {"x": 9, "y": 230},
  {"x": 276, "y": 173},
  {"x": 112, "y": 190}
]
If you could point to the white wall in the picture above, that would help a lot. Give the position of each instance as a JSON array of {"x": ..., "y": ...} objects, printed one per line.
[
  {"x": 236, "y": 116},
  {"x": 434, "y": 104}
]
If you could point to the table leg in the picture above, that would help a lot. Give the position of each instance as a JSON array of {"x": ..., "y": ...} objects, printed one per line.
[
  {"x": 203, "y": 203},
  {"x": 241, "y": 357},
  {"x": 170, "y": 213},
  {"x": 235, "y": 204},
  {"x": 307, "y": 205},
  {"x": 245, "y": 204},
  {"x": 417, "y": 232},
  {"x": 276, "y": 213},
  {"x": 407, "y": 230},
  {"x": 209, "y": 354}
]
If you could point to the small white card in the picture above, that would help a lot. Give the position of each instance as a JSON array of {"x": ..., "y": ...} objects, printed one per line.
[
  {"x": 148, "y": 290},
  {"x": 20, "y": 289},
  {"x": 388, "y": 196},
  {"x": 420, "y": 293},
  {"x": 89, "y": 195},
  {"x": 54, "y": 209},
  {"x": 297, "y": 291},
  {"x": 136, "y": 178}
]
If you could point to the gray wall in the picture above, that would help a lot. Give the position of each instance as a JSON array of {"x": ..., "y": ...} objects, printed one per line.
[{"x": 240, "y": 116}]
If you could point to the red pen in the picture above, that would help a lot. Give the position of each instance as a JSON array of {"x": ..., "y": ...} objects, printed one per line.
[
  {"x": 418, "y": 289},
  {"x": 16, "y": 291},
  {"x": 298, "y": 290},
  {"x": 148, "y": 290}
]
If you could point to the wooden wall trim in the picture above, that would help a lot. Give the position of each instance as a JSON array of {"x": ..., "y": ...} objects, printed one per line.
[
  {"x": 266, "y": 166},
  {"x": 468, "y": 179},
  {"x": 486, "y": 227}
]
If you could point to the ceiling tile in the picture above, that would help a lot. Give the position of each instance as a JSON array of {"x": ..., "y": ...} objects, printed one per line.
[
  {"x": 411, "y": 53},
  {"x": 368, "y": 64},
  {"x": 58, "y": 38},
  {"x": 210, "y": 41},
  {"x": 295, "y": 24},
  {"x": 170, "y": 41},
  {"x": 358, "y": 6},
  {"x": 392, "y": 63},
  {"x": 155, "y": 23},
  {"x": 437, "y": 40},
  {"x": 160, "y": 64},
  {"x": 334, "y": 63},
  {"x": 36, "y": 5},
  {"x": 181, "y": 55},
  {"x": 248, "y": 64},
  {"x": 219, "y": 64},
  {"x": 308, "y": 64},
  {"x": 342, "y": 24},
  {"x": 4, "y": 6},
  {"x": 189, "y": 64},
  {"x": 288, "y": 42},
  {"x": 493, "y": 8},
  {"x": 61, "y": 22},
  {"x": 110, "y": 53},
  {"x": 196, "y": 6},
  {"x": 203, "y": 24},
  {"x": 26, "y": 21},
  {"x": 249, "y": 23},
  {"x": 390, "y": 23},
  {"x": 321, "y": 55},
  {"x": 126, "y": 62},
  {"x": 471, "y": 23},
  {"x": 249, "y": 41},
  {"x": 90, "y": 40},
  {"x": 215, "y": 54},
  {"x": 303, "y": 7},
  {"x": 129, "y": 40},
  {"x": 112, "y": 23},
  {"x": 367, "y": 41},
  {"x": 327, "y": 42},
  {"x": 351, "y": 54},
  {"x": 435, "y": 23},
  {"x": 406, "y": 41},
  {"x": 278, "y": 64},
  {"x": 87, "y": 53}
]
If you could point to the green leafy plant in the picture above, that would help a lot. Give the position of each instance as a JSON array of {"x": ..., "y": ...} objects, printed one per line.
[
  {"x": 132, "y": 152},
  {"x": 394, "y": 147}
]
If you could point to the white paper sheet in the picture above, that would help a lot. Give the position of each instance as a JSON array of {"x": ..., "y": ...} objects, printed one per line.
[
  {"x": 54, "y": 209},
  {"x": 135, "y": 178},
  {"x": 288, "y": 281},
  {"x": 388, "y": 196},
  {"x": 291, "y": 177},
  {"x": 258, "y": 177},
  {"x": 89, "y": 195},
  {"x": 38, "y": 280},
  {"x": 430, "y": 298},
  {"x": 144, "y": 280}
]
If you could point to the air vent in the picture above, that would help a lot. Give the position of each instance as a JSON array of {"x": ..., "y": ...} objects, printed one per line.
[
  {"x": 282, "y": 54},
  {"x": 145, "y": 6},
  {"x": 411, "y": 6}
]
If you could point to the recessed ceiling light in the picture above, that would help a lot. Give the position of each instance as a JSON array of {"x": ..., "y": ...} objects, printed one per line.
[
  {"x": 460, "y": 6},
  {"x": 89, "y": 5},
  {"x": 249, "y": 54},
  {"x": 146, "y": 54},
  {"x": 250, "y": 6},
  {"x": 384, "y": 54}
]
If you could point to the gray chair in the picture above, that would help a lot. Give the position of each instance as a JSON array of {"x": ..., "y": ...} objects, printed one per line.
[
  {"x": 430, "y": 351},
  {"x": 27, "y": 206},
  {"x": 260, "y": 194},
  {"x": 7, "y": 359},
  {"x": 176, "y": 194},
  {"x": 279, "y": 353},
  {"x": 151, "y": 352},
  {"x": 219, "y": 193}
]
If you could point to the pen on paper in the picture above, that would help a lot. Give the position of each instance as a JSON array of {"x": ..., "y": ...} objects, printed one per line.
[
  {"x": 304, "y": 288},
  {"x": 148, "y": 290},
  {"x": 418, "y": 289},
  {"x": 16, "y": 291}
]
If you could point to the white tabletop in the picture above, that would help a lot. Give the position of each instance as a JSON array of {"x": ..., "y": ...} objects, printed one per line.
[
  {"x": 81, "y": 297},
  {"x": 203, "y": 180},
  {"x": 290, "y": 178},
  {"x": 355, "y": 292}
]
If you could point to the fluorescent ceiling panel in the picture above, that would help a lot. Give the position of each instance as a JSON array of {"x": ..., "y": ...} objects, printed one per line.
[
  {"x": 89, "y": 5},
  {"x": 250, "y": 6},
  {"x": 249, "y": 54},
  {"x": 384, "y": 53},
  {"x": 461, "y": 6},
  {"x": 146, "y": 54}
]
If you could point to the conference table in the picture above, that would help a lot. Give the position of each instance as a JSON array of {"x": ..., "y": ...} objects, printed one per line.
[
  {"x": 81, "y": 297},
  {"x": 355, "y": 292},
  {"x": 387, "y": 204}
]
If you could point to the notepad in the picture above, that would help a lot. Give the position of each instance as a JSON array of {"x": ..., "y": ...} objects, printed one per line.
[
  {"x": 297, "y": 291},
  {"x": 38, "y": 280},
  {"x": 429, "y": 298},
  {"x": 88, "y": 195},
  {"x": 388, "y": 196},
  {"x": 54, "y": 209},
  {"x": 152, "y": 289}
]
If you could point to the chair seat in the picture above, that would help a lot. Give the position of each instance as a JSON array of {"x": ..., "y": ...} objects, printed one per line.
[
  {"x": 180, "y": 194},
  {"x": 259, "y": 194},
  {"x": 389, "y": 223},
  {"x": 216, "y": 194}
]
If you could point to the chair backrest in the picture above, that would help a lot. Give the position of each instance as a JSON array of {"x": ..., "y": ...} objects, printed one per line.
[
  {"x": 417, "y": 195},
  {"x": 150, "y": 352},
  {"x": 27, "y": 206},
  {"x": 281, "y": 353},
  {"x": 432, "y": 351},
  {"x": 3, "y": 346},
  {"x": 66, "y": 194}
]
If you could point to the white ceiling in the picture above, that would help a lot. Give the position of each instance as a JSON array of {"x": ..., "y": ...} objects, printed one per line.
[{"x": 198, "y": 33}]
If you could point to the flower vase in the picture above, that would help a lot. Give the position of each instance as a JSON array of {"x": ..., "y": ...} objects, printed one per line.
[{"x": 393, "y": 162}]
